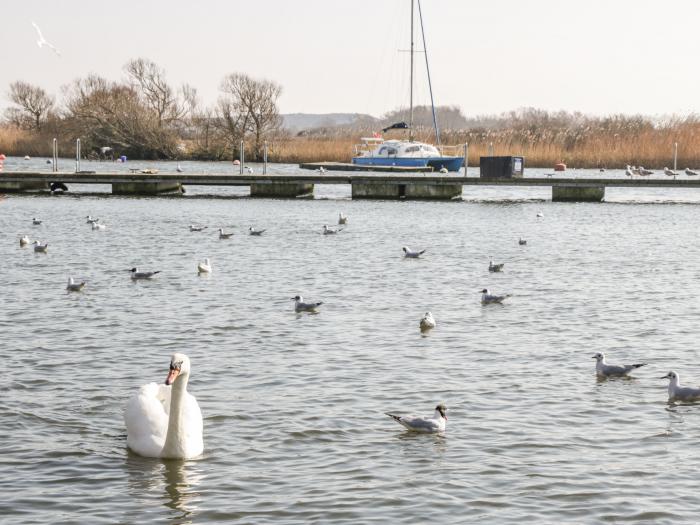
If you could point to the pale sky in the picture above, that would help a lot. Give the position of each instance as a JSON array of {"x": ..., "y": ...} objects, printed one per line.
[{"x": 594, "y": 56}]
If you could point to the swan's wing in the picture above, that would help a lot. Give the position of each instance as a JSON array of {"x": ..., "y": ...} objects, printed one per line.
[
  {"x": 146, "y": 419},
  {"x": 193, "y": 426}
]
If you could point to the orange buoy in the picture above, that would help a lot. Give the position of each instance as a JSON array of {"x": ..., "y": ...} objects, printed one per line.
[{"x": 560, "y": 166}]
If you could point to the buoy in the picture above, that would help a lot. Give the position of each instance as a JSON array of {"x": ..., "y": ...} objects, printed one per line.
[
  {"x": 27, "y": 157},
  {"x": 236, "y": 162},
  {"x": 2, "y": 156},
  {"x": 123, "y": 158},
  {"x": 560, "y": 166}
]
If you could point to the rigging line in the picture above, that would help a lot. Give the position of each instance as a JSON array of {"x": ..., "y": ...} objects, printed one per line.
[{"x": 430, "y": 84}]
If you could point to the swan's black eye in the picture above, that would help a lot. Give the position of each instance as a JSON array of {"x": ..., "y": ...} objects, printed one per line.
[{"x": 176, "y": 366}]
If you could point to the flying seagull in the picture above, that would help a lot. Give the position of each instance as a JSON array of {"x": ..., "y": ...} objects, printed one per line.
[{"x": 43, "y": 42}]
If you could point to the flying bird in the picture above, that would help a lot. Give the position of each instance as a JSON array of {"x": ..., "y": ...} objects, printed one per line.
[{"x": 43, "y": 42}]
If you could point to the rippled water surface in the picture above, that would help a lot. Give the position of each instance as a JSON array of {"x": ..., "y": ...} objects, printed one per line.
[{"x": 293, "y": 405}]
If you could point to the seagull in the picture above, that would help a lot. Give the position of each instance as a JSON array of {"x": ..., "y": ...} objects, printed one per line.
[
  {"x": 73, "y": 286},
  {"x": 495, "y": 267},
  {"x": 35, "y": 221},
  {"x": 342, "y": 219},
  {"x": 412, "y": 254},
  {"x": 427, "y": 322},
  {"x": 24, "y": 241},
  {"x": 91, "y": 220},
  {"x": 253, "y": 231},
  {"x": 321, "y": 170},
  {"x": 690, "y": 173},
  {"x": 194, "y": 228},
  {"x": 27, "y": 157},
  {"x": 41, "y": 248},
  {"x": 179, "y": 169},
  {"x": 249, "y": 170},
  {"x": 330, "y": 231},
  {"x": 43, "y": 42},
  {"x": 628, "y": 171},
  {"x": 540, "y": 214},
  {"x": 605, "y": 370},
  {"x": 424, "y": 424},
  {"x": 676, "y": 392},
  {"x": 301, "y": 306},
  {"x": 487, "y": 298},
  {"x": 443, "y": 170},
  {"x": 522, "y": 242},
  {"x": 669, "y": 172},
  {"x": 204, "y": 267},
  {"x": 643, "y": 171},
  {"x": 223, "y": 235},
  {"x": 135, "y": 274},
  {"x": 98, "y": 226}
]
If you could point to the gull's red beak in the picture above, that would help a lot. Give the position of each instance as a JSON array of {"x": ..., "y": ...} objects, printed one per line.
[{"x": 172, "y": 375}]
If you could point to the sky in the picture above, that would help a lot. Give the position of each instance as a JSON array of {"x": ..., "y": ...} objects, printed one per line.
[{"x": 595, "y": 56}]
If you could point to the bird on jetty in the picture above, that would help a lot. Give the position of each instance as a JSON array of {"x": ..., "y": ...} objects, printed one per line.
[
  {"x": 179, "y": 168},
  {"x": 602, "y": 369},
  {"x": 43, "y": 42},
  {"x": 136, "y": 275},
  {"x": 321, "y": 170},
  {"x": 253, "y": 231},
  {"x": 249, "y": 170},
  {"x": 342, "y": 219},
  {"x": 427, "y": 322},
  {"x": 690, "y": 173},
  {"x": 670, "y": 173},
  {"x": 40, "y": 248},
  {"x": 204, "y": 266},
  {"x": 223, "y": 235},
  {"x": 411, "y": 254},
  {"x": 628, "y": 171},
  {"x": 330, "y": 231},
  {"x": 36, "y": 222},
  {"x": 194, "y": 228},
  {"x": 301, "y": 306},
  {"x": 73, "y": 286},
  {"x": 443, "y": 170},
  {"x": 495, "y": 267},
  {"x": 433, "y": 424},
  {"x": 24, "y": 240},
  {"x": 487, "y": 298},
  {"x": 522, "y": 242},
  {"x": 676, "y": 392},
  {"x": 644, "y": 172}
]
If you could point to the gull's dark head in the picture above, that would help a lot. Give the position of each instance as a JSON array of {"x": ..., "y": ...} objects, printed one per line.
[
  {"x": 485, "y": 290},
  {"x": 133, "y": 270},
  {"x": 442, "y": 409},
  {"x": 599, "y": 356},
  {"x": 296, "y": 298}
]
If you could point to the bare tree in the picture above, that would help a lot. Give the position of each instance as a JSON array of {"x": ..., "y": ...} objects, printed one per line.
[
  {"x": 158, "y": 95},
  {"x": 34, "y": 105}
]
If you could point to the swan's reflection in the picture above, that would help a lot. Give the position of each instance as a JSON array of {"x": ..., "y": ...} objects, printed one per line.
[{"x": 176, "y": 480}]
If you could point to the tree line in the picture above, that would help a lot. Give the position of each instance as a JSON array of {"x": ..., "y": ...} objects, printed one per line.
[{"x": 145, "y": 116}]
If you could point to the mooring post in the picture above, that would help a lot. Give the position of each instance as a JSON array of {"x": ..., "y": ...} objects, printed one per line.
[
  {"x": 490, "y": 149},
  {"x": 675, "y": 156},
  {"x": 265, "y": 158},
  {"x": 466, "y": 157},
  {"x": 242, "y": 151},
  {"x": 77, "y": 155},
  {"x": 55, "y": 155}
]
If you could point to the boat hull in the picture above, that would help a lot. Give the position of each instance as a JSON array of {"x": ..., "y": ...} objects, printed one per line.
[{"x": 449, "y": 163}]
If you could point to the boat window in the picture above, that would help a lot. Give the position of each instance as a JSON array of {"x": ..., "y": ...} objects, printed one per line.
[
  {"x": 391, "y": 151},
  {"x": 411, "y": 149},
  {"x": 382, "y": 150}
]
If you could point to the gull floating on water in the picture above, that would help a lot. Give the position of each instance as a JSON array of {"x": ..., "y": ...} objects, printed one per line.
[
  {"x": 38, "y": 247},
  {"x": 540, "y": 214},
  {"x": 433, "y": 424},
  {"x": 43, "y": 42},
  {"x": 98, "y": 226},
  {"x": 495, "y": 267},
  {"x": 603, "y": 369},
  {"x": 690, "y": 172},
  {"x": 411, "y": 253},
  {"x": 73, "y": 286},
  {"x": 204, "y": 267},
  {"x": 427, "y": 322},
  {"x": 223, "y": 235},
  {"x": 330, "y": 231},
  {"x": 36, "y": 222},
  {"x": 676, "y": 392},
  {"x": 342, "y": 219},
  {"x": 301, "y": 306},
  {"x": 522, "y": 242},
  {"x": 24, "y": 240},
  {"x": 135, "y": 274},
  {"x": 92, "y": 220},
  {"x": 670, "y": 172},
  {"x": 487, "y": 298},
  {"x": 194, "y": 228},
  {"x": 253, "y": 231}
]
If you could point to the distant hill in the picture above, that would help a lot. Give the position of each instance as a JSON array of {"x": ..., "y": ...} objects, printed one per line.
[{"x": 304, "y": 121}]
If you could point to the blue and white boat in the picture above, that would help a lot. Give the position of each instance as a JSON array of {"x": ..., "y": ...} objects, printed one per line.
[{"x": 376, "y": 151}]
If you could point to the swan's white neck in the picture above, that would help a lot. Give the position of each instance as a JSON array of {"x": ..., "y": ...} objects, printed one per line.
[{"x": 174, "y": 446}]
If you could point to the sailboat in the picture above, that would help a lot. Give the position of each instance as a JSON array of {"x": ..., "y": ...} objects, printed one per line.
[{"x": 375, "y": 151}]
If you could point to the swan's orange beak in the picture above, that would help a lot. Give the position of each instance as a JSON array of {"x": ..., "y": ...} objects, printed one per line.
[{"x": 172, "y": 375}]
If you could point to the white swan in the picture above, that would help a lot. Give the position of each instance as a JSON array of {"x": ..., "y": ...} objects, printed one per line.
[{"x": 164, "y": 421}]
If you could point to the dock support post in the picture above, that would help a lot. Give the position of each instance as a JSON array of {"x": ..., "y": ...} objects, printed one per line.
[
  {"x": 490, "y": 149},
  {"x": 77, "y": 155},
  {"x": 242, "y": 152},
  {"x": 55, "y": 155},
  {"x": 675, "y": 156},
  {"x": 466, "y": 157},
  {"x": 578, "y": 193},
  {"x": 265, "y": 158}
]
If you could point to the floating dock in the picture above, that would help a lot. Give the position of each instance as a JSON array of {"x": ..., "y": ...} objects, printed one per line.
[{"x": 364, "y": 186}]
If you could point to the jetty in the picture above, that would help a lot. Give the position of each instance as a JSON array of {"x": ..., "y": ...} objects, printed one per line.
[{"x": 364, "y": 185}]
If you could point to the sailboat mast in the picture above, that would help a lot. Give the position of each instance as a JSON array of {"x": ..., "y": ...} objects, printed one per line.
[{"x": 410, "y": 121}]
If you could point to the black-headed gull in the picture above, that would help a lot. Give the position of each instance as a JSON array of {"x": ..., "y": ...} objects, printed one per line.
[
  {"x": 204, "y": 266},
  {"x": 92, "y": 220},
  {"x": 41, "y": 248},
  {"x": 676, "y": 392},
  {"x": 495, "y": 267},
  {"x": 24, "y": 240},
  {"x": 36, "y": 222},
  {"x": 330, "y": 231},
  {"x": 43, "y": 42},
  {"x": 342, "y": 219},
  {"x": 412, "y": 254},
  {"x": 522, "y": 242},
  {"x": 223, "y": 235},
  {"x": 99, "y": 226},
  {"x": 135, "y": 274},
  {"x": 690, "y": 172},
  {"x": 194, "y": 228},
  {"x": 433, "y": 424},
  {"x": 253, "y": 231},
  {"x": 427, "y": 321},
  {"x": 670, "y": 172},
  {"x": 602, "y": 369},
  {"x": 301, "y": 306},
  {"x": 73, "y": 286},
  {"x": 645, "y": 172},
  {"x": 487, "y": 298}
]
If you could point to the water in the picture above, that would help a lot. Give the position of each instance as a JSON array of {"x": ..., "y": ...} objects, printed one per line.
[{"x": 293, "y": 404}]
